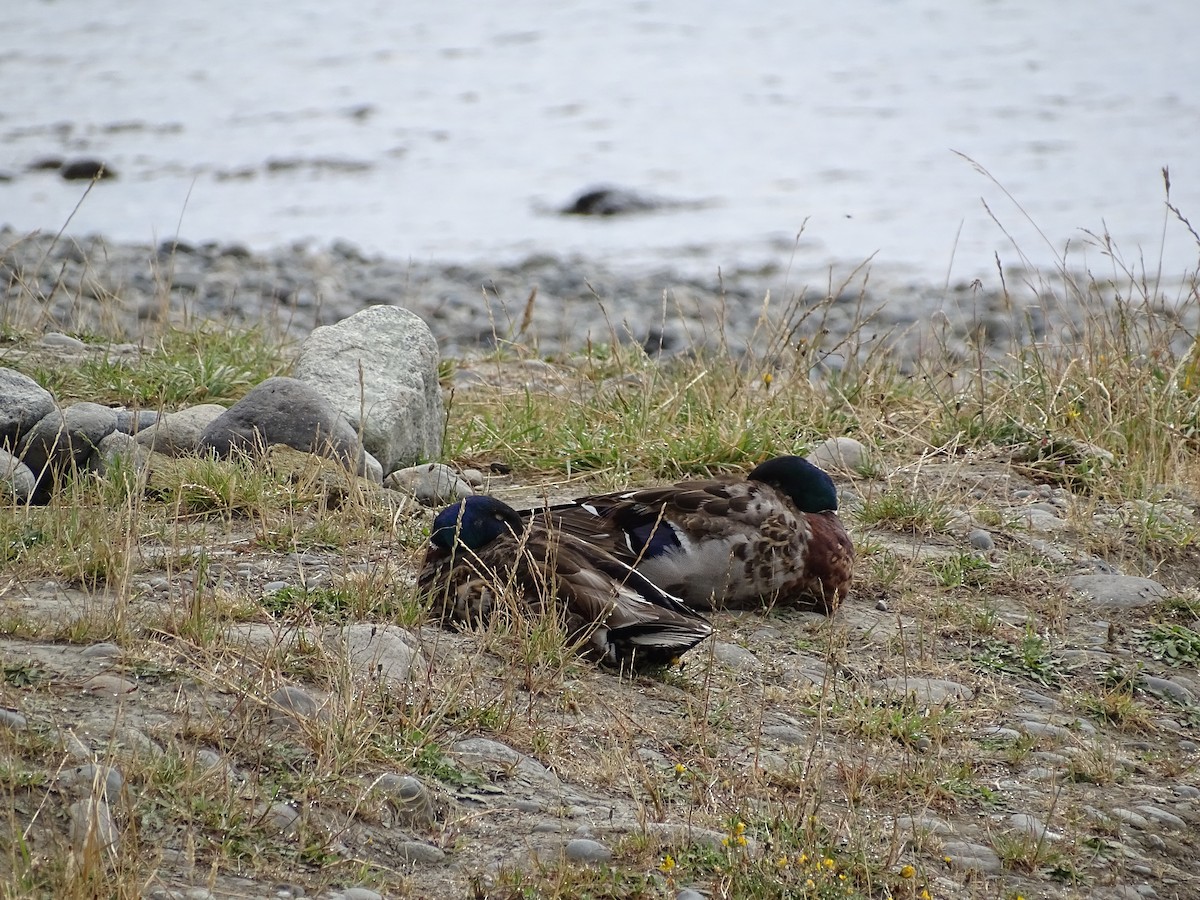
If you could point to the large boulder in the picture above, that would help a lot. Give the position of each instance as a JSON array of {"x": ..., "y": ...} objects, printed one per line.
[
  {"x": 23, "y": 403},
  {"x": 379, "y": 367},
  {"x": 283, "y": 411}
]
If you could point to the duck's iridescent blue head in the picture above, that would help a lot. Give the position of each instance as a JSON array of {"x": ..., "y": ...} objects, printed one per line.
[
  {"x": 475, "y": 522},
  {"x": 811, "y": 489}
]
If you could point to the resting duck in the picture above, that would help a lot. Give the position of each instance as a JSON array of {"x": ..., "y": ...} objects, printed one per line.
[
  {"x": 481, "y": 550},
  {"x": 772, "y": 537}
]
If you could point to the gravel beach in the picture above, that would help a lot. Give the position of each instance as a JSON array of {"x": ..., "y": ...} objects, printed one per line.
[{"x": 545, "y": 304}]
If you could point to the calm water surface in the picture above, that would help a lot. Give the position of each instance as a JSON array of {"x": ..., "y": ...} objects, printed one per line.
[{"x": 448, "y": 131}]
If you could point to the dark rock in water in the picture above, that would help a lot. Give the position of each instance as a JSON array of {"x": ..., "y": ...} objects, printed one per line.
[
  {"x": 23, "y": 403},
  {"x": 284, "y": 411},
  {"x": 86, "y": 170},
  {"x": 45, "y": 164},
  {"x": 6, "y": 176},
  {"x": 610, "y": 201},
  {"x": 167, "y": 248}
]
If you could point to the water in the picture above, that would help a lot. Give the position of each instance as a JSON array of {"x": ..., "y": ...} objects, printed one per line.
[{"x": 449, "y": 131}]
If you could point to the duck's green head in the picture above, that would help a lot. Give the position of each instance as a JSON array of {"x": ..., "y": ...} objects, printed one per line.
[
  {"x": 475, "y": 522},
  {"x": 811, "y": 489}
]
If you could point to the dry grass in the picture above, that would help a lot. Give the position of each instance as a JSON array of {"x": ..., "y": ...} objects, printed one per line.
[{"x": 796, "y": 773}]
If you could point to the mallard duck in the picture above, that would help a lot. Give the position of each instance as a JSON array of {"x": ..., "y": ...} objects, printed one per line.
[
  {"x": 481, "y": 551},
  {"x": 773, "y": 537}
]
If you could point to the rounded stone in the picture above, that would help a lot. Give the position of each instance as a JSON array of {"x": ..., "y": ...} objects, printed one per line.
[
  {"x": 12, "y": 720},
  {"x": 433, "y": 484},
  {"x": 586, "y": 850},
  {"x": 843, "y": 454},
  {"x": 92, "y": 826},
  {"x": 290, "y": 703},
  {"x": 979, "y": 539}
]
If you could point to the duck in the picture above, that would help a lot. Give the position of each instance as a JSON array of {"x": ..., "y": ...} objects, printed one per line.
[
  {"x": 482, "y": 552},
  {"x": 770, "y": 538}
]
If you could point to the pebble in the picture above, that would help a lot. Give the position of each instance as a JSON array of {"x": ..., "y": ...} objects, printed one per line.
[
  {"x": 105, "y": 650},
  {"x": 734, "y": 656},
  {"x": 930, "y": 691},
  {"x": 281, "y": 817},
  {"x": 92, "y": 826},
  {"x": 977, "y": 857},
  {"x": 1118, "y": 591},
  {"x": 1032, "y": 827},
  {"x": 409, "y": 797},
  {"x": 840, "y": 454},
  {"x": 291, "y": 703},
  {"x": 383, "y": 653},
  {"x": 1167, "y": 689},
  {"x": 419, "y": 852},
  {"x": 357, "y": 893},
  {"x": 691, "y": 894},
  {"x": 586, "y": 850},
  {"x": 980, "y": 540},
  {"x": 108, "y": 686},
  {"x": 106, "y": 782},
  {"x": 1044, "y": 729},
  {"x": 433, "y": 484},
  {"x": 13, "y": 720}
]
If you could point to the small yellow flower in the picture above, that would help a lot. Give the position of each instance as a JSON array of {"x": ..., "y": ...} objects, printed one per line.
[
  {"x": 925, "y": 895},
  {"x": 801, "y": 859},
  {"x": 782, "y": 862},
  {"x": 907, "y": 872},
  {"x": 667, "y": 864},
  {"x": 680, "y": 769},
  {"x": 830, "y": 864},
  {"x": 767, "y": 379},
  {"x": 810, "y": 884},
  {"x": 725, "y": 842},
  {"x": 739, "y": 828},
  {"x": 741, "y": 840}
]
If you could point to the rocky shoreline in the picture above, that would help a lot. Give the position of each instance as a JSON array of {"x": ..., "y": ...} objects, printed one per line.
[{"x": 545, "y": 305}]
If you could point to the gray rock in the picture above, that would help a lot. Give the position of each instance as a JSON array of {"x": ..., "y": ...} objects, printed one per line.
[
  {"x": 105, "y": 782},
  {"x": 840, "y": 454},
  {"x": 281, "y": 817},
  {"x": 120, "y": 451},
  {"x": 585, "y": 850},
  {"x": 922, "y": 825},
  {"x": 56, "y": 340},
  {"x": 291, "y": 703},
  {"x": 431, "y": 483},
  {"x": 410, "y": 798},
  {"x": 1118, "y": 591},
  {"x": 1045, "y": 729},
  {"x": 283, "y": 411},
  {"x": 691, "y": 894},
  {"x": 980, "y": 540},
  {"x": 178, "y": 433},
  {"x": 12, "y": 720},
  {"x": 482, "y": 753},
  {"x": 383, "y": 652},
  {"x": 135, "y": 421},
  {"x": 372, "y": 469},
  {"x": 64, "y": 440},
  {"x": 379, "y": 368},
  {"x": 933, "y": 691},
  {"x": 1166, "y": 689},
  {"x": 785, "y": 735},
  {"x": 92, "y": 828},
  {"x": 1033, "y": 827},
  {"x": 359, "y": 893},
  {"x": 103, "y": 650},
  {"x": 735, "y": 657},
  {"x": 420, "y": 852},
  {"x": 1162, "y": 817},
  {"x": 23, "y": 403},
  {"x": 976, "y": 857},
  {"x": 16, "y": 479}
]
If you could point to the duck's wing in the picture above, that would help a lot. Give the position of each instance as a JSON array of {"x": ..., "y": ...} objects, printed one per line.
[
  {"x": 650, "y": 522},
  {"x": 623, "y": 613}
]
